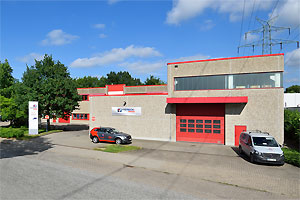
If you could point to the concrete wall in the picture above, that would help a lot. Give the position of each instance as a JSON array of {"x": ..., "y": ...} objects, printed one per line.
[
  {"x": 154, "y": 123},
  {"x": 145, "y": 89},
  {"x": 91, "y": 90}
]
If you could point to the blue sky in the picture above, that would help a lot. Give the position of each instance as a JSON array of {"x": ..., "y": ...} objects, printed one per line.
[{"x": 96, "y": 37}]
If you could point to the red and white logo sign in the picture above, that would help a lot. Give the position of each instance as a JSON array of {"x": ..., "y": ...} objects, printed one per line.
[
  {"x": 47, "y": 117},
  {"x": 93, "y": 119}
]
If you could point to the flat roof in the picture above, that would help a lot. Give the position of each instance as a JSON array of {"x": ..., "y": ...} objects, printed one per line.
[{"x": 230, "y": 58}]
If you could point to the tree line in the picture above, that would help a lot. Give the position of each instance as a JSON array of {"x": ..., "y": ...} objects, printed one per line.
[{"x": 49, "y": 82}]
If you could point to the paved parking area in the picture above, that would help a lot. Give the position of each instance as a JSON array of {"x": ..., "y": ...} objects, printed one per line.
[{"x": 210, "y": 162}]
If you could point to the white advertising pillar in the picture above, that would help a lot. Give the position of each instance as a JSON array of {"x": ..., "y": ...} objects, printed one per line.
[{"x": 33, "y": 116}]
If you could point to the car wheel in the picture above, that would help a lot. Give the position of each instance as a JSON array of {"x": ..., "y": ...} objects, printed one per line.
[
  {"x": 118, "y": 141},
  {"x": 252, "y": 158},
  {"x": 240, "y": 150},
  {"x": 95, "y": 139}
]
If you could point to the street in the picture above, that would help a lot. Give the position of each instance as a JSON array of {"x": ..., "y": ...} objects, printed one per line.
[{"x": 43, "y": 169}]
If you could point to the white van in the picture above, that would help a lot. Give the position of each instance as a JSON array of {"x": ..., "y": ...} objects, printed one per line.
[{"x": 260, "y": 147}]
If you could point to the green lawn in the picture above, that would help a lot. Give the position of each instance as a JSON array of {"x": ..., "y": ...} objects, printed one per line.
[
  {"x": 292, "y": 156},
  {"x": 115, "y": 148},
  {"x": 22, "y": 133}
]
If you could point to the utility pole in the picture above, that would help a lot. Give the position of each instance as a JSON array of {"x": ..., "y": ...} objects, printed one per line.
[{"x": 267, "y": 42}]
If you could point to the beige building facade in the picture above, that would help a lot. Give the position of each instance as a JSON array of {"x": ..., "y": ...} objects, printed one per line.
[{"x": 208, "y": 101}]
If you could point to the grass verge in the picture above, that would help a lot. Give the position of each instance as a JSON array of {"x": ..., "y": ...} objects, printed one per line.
[
  {"x": 22, "y": 133},
  {"x": 114, "y": 148},
  {"x": 292, "y": 156}
]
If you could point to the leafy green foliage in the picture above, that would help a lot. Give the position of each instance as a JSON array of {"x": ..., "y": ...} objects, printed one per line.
[
  {"x": 89, "y": 81},
  {"x": 122, "y": 78},
  {"x": 293, "y": 89},
  {"x": 292, "y": 124},
  {"x": 6, "y": 79},
  {"x": 12, "y": 132},
  {"x": 154, "y": 81},
  {"x": 9, "y": 110},
  {"x": 49, "y": 83},
  {"x": 292, "y": 156}
]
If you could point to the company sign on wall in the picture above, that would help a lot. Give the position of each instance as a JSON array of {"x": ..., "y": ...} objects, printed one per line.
[
  {"x": 33, "y": 120},
  {"x": 126, "y": 110}
]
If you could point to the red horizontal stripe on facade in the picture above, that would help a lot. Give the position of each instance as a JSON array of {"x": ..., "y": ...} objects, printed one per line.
[
  {"x": 242, "y": 99},
  {"x": 231, "y": 58},
  {"x": 153, "y": 93}
]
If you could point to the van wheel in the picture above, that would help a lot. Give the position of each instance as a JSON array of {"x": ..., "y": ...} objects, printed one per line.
[
  {"x": 252, "y": 158},
  {"x": 118, "y": 141},
  {"x": 95, "y": 139},
  {"x": 240, "y": 150}
]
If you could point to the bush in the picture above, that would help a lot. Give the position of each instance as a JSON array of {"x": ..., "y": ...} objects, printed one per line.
[
  {"x": 12, "y": 132},
  {"x": 292, "y": 156},
  {"x": 292, "y": 124}
]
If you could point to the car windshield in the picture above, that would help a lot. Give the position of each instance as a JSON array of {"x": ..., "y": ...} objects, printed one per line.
[
  {"x": 113, "y": 130},
  {"x": 265, "y": 141}
]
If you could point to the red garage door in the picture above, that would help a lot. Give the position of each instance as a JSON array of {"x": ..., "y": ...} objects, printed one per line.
[{"x": 200, "y": 123}]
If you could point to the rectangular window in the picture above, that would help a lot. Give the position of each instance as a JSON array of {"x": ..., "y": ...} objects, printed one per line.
[
  {"x": 207, "y": 131},
  {"x": 217, "y": 126},
  {"x": 182, "y": 125},
  {"x": 191, "y": 125},
  {"x": 207, "y": 121},
  {"x": 182, "y": 130},
  {"x": 80, "y": 116},
  {"x": 231, "y": 81},
  {"x": 199, "y": 126},
  {"x": 183, "y": 121},
  {"x": 85, "y": 97},
  {"x": 199, "y": 130},
  {"x": 191, "y": 130},
  {"x": 207, "y": 126},
  {"x": 217, "y": 131},
  {"x": 217, "y": 121},
  {"x": 191, "y": 121},
  {"x": 199, "y": 121}
]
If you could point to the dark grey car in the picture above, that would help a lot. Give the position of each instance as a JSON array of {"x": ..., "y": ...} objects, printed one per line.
[{"x": 109, "y": 134}]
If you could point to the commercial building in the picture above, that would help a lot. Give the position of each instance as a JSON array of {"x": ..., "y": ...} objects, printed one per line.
[{"x": 208, "y": 101}]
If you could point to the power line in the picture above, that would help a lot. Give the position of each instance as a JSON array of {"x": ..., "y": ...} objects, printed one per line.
[{"x": 242, "y": 23}]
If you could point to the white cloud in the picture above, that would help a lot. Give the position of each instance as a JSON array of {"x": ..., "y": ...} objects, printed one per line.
[
  {"x": 115, "y": 56},
  {"x": 144, "y": 67},
  {"x": 292, "y": 80},
  {"x": 102, "y": 35},
  {"x": 58, "y": 37},
  {"x": 293, "y": 58},
  {"x": 186, "y": 9},
  {"x": 191, "y": 58},
  {"x": 288, "y": 13},
  {"x": 30, "y": 58},
  {"x": 99, "y": 26},
  {"x": 207, "y": 25}
]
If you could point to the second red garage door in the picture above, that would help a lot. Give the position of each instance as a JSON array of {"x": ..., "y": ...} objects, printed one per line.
[{"x": 200, "y": 123}]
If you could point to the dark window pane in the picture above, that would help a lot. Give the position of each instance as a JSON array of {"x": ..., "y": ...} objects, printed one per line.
[
  {"x": 78, "y": 116},
  {"x": 182, "y": 125},
  {"x": 191, "y": 130},
  {"x": 199, "y": 126},
  {"x": 207, "y": 121},
  {"x": 191, "y": 125},
  {"x": 183, "y": 120},
  {"x": 207, "y": 131},
  {"x": 217, "y": 121},
  {"x": 182, "y": 130},
  {"x": 207, "y": 126},
  {"x": 217, "y": 131},
  {"x": 217, "y": 126},
  {"x": 191, "y": 121},
  {"x": 199, "y": 121},
  {"x": 74, "y": 116},
  {"x": 85, "y": 116},
  {"x": 199, "y": 130}
]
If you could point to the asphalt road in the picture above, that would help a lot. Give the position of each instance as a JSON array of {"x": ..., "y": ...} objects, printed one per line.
[{"x": 41, "y": 169}]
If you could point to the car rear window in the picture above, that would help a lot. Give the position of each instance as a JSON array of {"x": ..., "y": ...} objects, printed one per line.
[{"x": 265, "y": 141}]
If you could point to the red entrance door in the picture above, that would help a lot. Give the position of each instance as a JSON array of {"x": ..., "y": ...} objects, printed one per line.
[
  {"x": 237, "y": 131},
  {"x": 200, "y": 129}
]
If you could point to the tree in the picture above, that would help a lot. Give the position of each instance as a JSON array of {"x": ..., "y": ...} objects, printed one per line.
[
  {"x": 49, "y": 83},
  {"x": 88, "y": 81},
  {"x": 10, "y": 111},
  {"x": 122, "y": 78},
  {"x": 6, "y": 79},
  {"x": 293, "y": 89},
  {"x": 154, "y": 81}
]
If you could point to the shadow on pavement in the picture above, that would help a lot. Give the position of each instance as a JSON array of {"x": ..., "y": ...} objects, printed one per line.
[
  {"x": 13, "y": 148},
  {"x": 67, "y": 127}
]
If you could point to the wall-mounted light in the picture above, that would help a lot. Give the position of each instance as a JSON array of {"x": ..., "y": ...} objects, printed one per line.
[{"x": 124, "y": 104}]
